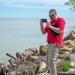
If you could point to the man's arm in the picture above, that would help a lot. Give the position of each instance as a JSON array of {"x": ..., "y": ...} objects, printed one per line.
[
  {"x": 60, "y": 28},
  {"x": 57, "y": 30},
  {"x": 42, "y": 27}
]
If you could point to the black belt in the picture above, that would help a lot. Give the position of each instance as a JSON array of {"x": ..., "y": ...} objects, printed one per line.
[{"x": 50, "y": 42}]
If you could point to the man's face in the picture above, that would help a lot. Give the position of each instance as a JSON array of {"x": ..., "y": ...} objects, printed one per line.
[{"x": 52, "y": 15}]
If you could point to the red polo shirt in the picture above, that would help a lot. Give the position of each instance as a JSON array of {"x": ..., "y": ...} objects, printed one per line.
[{"x": 54, "y": 37}]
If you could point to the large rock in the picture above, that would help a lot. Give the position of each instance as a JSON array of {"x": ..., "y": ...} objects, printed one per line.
[
  {"x": 72, "y": 70},
  {"x": 66, "y": 73},
  {"x": 71, "y": 36},
  {"x": 43, "y": 50},
  {"x": 69, "y": 42},
  {"x": 66, "y": 49},
  {"x": 72, "y": 58},
  {"x": 72, "y": 64}
]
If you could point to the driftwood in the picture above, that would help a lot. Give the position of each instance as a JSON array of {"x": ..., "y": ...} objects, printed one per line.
[
  {"x": 30, "y": 51},
  {"x": 66, "y": 73},
  {"x": 20, "y": 55},
  {"x": 3, "y": 69},
  {"x": 11, "y": 56},
  {"x": 12, "y": 63},
  {"x": 27, "y": 63},
  {"x": 32, "y": 62},
  {"x": 27, "y": 53}
]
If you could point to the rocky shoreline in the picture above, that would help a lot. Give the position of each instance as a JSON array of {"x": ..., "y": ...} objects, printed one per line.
[{"x": 33, "y": 61}]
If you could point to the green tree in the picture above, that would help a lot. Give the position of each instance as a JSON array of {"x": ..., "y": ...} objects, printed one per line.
[{"x": 71, "y": 3}]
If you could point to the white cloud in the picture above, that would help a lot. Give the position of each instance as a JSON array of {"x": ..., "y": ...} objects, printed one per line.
[{"x": 33, "y": 3}]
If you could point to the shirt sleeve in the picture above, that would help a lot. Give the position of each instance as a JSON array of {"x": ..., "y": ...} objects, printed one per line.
[
  {"x": 61, "y": 24},
  {"x": 46, "y": 28}
]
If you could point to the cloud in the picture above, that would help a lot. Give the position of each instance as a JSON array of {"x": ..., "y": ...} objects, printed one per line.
[{"x": 34, "y": 3}]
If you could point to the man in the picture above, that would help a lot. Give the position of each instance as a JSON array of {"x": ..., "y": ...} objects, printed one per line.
[{"x": 55, "y": 32}]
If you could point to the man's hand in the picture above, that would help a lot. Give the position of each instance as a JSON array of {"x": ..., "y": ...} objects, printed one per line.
[
  {"x": 48, "y": 24},
  {"x": 41, "y": 22},
  {"x": 41, "y": 27}
]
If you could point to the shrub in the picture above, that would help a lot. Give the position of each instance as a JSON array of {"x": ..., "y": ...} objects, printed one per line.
[{"x": 66, "y": 65}]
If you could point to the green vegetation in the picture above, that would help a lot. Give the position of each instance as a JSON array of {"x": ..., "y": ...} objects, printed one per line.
[
  {"x": 71, "y": 3},
  {"x": 70, "y": 46},
  {"x": 61, "y": 55},
  {"x": 66, "y": 65},
  {"x": 73, "y": 47},
  {"x": 63, "y": 44},
  {"x": 64, "y": 55}
]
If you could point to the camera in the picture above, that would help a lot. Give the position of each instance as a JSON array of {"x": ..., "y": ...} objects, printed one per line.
[{"x": 44, "y": 20}]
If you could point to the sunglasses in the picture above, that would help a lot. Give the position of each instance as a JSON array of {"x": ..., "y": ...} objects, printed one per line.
[{"x": 51, "y": 16}]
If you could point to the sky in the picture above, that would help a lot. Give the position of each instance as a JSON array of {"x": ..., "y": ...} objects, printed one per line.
[{"x": 33, "y": 8}]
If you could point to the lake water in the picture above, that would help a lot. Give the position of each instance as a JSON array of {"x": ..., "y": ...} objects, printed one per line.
[{"x": 17, "y": 34}]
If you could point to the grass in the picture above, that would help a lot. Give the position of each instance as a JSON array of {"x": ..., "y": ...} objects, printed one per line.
[{"x": 66, "y": 65}]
